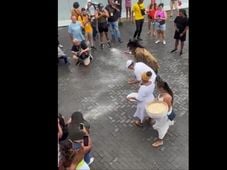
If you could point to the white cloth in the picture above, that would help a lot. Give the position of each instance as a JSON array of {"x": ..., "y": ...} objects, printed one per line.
[
  {"x": 162, "y": 124},
  {"x": 145, "y": 95},
  {"x": 140, "y": 68}
]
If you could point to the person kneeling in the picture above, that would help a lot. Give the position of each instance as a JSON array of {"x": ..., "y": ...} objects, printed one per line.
[{"x": 81, "y": 53}]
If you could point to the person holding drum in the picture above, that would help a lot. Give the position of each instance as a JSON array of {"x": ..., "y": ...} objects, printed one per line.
[
  {"x": 145, "y": 95},
  {"x": 162, "y": 124}
]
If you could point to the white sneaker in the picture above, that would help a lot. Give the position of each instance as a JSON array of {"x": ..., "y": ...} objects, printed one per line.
[
  {"x": 91, "y": 160},
  {"x": 156, "y": 42},
  {"x": 164, "y": 42}
]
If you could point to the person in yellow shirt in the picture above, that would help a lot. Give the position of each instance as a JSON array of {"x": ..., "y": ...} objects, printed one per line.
[
  {"x": 86, "y": 22},
  {"x": 76, "y": 10},
  {"x": 138, "y": 11}
]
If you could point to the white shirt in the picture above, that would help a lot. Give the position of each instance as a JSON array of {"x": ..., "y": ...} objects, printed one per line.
[{"x": 140, "y": 68}]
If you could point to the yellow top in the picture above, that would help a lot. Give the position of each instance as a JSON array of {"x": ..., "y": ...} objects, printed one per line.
[
  {"x": 86, "y": 23},
  {"x": 136, "y": 9}
]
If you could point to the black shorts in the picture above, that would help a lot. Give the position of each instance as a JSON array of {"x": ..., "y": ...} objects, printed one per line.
[
  {"x": 177, "y": 36},
  {"x": 103, "y": 27}
]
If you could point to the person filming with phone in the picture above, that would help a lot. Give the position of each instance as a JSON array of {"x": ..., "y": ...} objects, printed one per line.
[{"x": 79, "y": 134}]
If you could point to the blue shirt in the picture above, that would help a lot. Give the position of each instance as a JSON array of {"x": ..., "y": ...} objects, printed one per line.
[{"x": 75, "y": 30}]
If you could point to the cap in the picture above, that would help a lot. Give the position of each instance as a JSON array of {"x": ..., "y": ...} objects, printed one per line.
[{"x": 128, "y": 63}]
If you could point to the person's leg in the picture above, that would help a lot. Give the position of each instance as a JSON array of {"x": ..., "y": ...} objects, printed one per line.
[
  {"x": 140, "y": 29},
  {"x": 158, "y": 36},
  {"x": 149, "y": 25},
  {"x": 153, "y": 28},
  {"x": 117, "y": 31},
  {"x": 182, "y": 46},
  {"x": 90, "y": 38},
  {"x": 112, "y": 31},
  {"x": 176, "y": 7},
  {"x": 176, "y": 45},
  {"x": 161, "y": 134},
  {"x": 130, "y": 13},
  {"x": 126, "y": 9},
  {"x": 101, "y": 39},
  {"x": 171, "y": 8},
  {"x": 106, "y": 35},
  {"x": 137, "y": 28},
  {"x": 88, "y": 158}
]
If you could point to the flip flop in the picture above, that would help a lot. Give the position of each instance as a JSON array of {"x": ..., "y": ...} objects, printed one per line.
[
  {"x": 155, "y": 145},
  {"x": 136, "y": 123}
]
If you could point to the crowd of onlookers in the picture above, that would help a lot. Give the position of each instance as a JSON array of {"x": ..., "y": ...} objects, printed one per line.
[
  {"x": 74, "y": 140},
  {"x": 97, "y": 20}
]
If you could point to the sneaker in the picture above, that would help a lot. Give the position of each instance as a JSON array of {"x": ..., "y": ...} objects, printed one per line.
[
  {"x": 93, "y": 47},
  {"x": 102, "y": 46},
  {"x": 173, "y": 50},
  {"x": 158, "y": 41},
  {"x": 109, "y": 44},
  {"x": 61, "y": 46},
  {"x": 164, "y": 42},
  {"x": 181, "y": 52},
  {"x": 119, "y": 40},
  {"x": 91, "y": 160}
]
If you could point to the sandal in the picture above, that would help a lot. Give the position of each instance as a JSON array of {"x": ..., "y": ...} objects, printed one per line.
[
  {"x": 137, "y": 123},
  {"x": 157, "y": 143}
]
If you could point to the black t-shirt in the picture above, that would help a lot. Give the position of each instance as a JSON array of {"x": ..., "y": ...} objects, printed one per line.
[
  {"x": 181, "y": 23},
  {"x": 113, "y": 13}
]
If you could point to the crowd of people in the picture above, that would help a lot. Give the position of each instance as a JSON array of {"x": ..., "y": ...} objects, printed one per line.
[
  {"x": 97, "y": 20},
  {"x": 74, "y": 140}
]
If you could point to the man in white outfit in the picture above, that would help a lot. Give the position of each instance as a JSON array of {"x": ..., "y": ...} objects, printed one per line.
[{"x": 138, "y": 69}]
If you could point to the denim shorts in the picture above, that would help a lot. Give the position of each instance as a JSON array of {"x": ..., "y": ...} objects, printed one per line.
[{"x": 160, "y": 27}]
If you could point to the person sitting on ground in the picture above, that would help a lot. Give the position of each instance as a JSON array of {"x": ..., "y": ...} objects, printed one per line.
[
  {"x": 143, "y": 55},
  {"x": 138, "y": 68},
  {"x": 145, "y": 95},
  {"x": 73, "y": 159},
  {"x": 76, "y": 134},
  {"x": 162, "y": 124},
  {"x": 80, "y": 49}
]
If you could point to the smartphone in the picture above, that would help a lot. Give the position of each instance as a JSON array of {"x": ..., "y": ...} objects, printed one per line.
[
  {"x": 81, "y": 126},
  {"x": 85, "y": 140},
  {"x": 76, "y": 145}
]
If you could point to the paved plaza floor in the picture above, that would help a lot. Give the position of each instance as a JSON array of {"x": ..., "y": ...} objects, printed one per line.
[{"x": 99, "y": 92}]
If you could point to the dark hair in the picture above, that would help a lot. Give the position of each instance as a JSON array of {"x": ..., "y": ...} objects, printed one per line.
[
  {"x": 100, "y": 6},
  {"x": 83, "y": 9},
  {"x": 183, "y": 11},
  {"x": 165, "y": 86},
  {"x": 77, "y": 118},
  {"x": 149, "y": 73},
  {"x": 76, "y": 5},
  {"x": 161, "y": 4},
  {"x": 134, "y": 44},
  {"x": 67, "y": 153}
]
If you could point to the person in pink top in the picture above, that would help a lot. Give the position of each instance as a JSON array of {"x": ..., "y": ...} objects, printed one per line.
[
  {"x": 160, "y": 17},
  {"x": 128, "y": 5}
]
